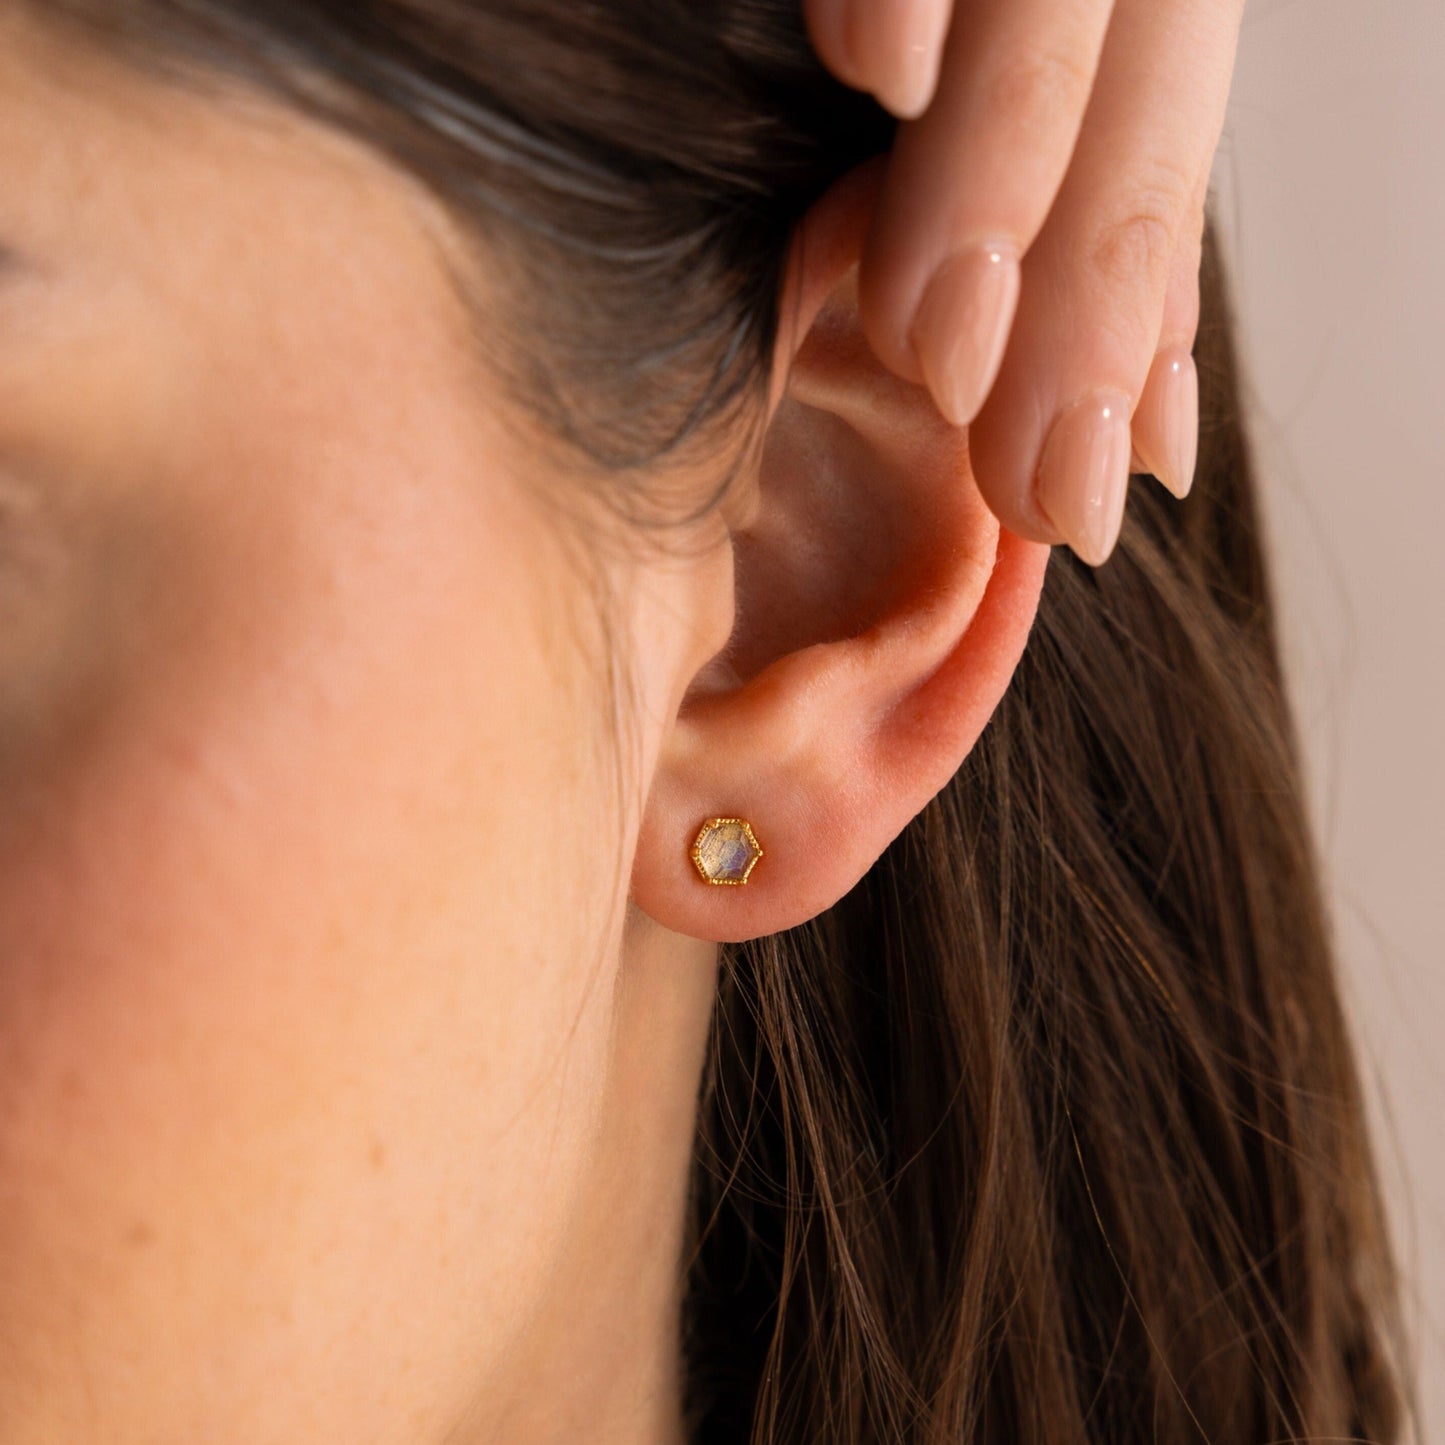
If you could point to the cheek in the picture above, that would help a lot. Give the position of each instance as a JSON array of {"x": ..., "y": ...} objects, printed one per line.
[{"x": 282, "y": 970}]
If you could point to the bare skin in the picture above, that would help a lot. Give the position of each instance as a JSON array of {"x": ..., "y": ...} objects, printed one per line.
[{"x": 348, "y": 1087}]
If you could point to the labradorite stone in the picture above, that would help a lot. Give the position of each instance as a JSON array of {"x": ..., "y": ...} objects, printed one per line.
[{"x": 724, "y": 851}]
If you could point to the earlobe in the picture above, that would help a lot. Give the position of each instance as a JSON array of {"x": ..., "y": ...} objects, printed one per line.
[
  {"x": 827, "y": 758},
  {"x": 880, "y": 612}
]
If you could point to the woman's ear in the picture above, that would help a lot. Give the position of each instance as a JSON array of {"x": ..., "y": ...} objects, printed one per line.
[{"x": 880, "y": 611}]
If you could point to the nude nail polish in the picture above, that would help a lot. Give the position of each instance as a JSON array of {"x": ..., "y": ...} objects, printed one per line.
[
  {"x": 1166, "y": 424},
  {"x": 962, "y": 327},
  {"x": 914, "y": 31},
  {"x": 1083, "y": 477}
]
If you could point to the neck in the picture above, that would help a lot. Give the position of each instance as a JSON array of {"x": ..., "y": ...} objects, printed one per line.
[{"x": 602, "y": 1361}]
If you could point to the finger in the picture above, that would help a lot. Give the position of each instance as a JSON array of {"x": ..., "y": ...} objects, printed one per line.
[
  {"x": 1166, "y": 421},
  {"x": 1050, "y": 449},
  {"x": 969, "y": 185},
  {"x": 891, "y": 48}
]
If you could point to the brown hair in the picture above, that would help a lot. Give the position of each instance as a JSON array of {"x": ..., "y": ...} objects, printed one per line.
[{"x": 1050, "y": 1130}]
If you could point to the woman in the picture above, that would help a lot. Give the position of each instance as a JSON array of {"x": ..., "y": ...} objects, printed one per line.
[{"x": 465, "y": 556}]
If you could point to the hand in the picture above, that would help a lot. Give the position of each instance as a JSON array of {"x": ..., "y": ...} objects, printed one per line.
[{"x": 1035, "y": 256}]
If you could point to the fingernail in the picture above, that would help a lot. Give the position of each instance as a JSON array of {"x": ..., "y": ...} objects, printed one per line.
[
  {"x": 1166, "y": 424},
  {"x": 914, "y": 32},
  {"x": 1083, "y": 476},
  {"x": 962, "y": 326}
]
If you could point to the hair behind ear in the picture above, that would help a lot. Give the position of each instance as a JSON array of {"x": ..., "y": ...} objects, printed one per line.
[{"x": 1050, "y": 1129}]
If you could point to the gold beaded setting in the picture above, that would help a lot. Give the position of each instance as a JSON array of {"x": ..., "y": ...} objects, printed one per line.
[{"x": 725, "y": 851}]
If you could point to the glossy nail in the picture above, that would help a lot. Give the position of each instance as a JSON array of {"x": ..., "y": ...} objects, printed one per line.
[
  {"x": 962, "y": 326},
  {"x": 1083, "y": 477},
  {"x": 899, "y": 43},
  {"x": 1166, "y": 424}
]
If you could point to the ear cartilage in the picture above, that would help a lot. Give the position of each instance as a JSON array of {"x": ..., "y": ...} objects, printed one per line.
[{"x": 726, "y": 850}]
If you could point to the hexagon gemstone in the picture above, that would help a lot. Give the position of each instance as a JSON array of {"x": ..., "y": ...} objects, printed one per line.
[{"x": 726, "y": 850}]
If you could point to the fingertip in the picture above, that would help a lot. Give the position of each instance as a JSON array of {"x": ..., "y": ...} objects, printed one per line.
[
  {"x": 962, "y": 326},
  {"x": 1082, "y": 482},
  {"x": 909, "y": 46},
  {"x": 886, "y": 295},
  {"x": 831, "y": 25},
  {"x": 1166, "y": 423}
]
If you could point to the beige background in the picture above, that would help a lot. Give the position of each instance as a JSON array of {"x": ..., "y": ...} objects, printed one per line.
[{"x": 1330, "y": 188}]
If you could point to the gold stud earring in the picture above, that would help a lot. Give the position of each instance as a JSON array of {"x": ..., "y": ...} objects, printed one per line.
[{"x": 726, "y": 850}]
